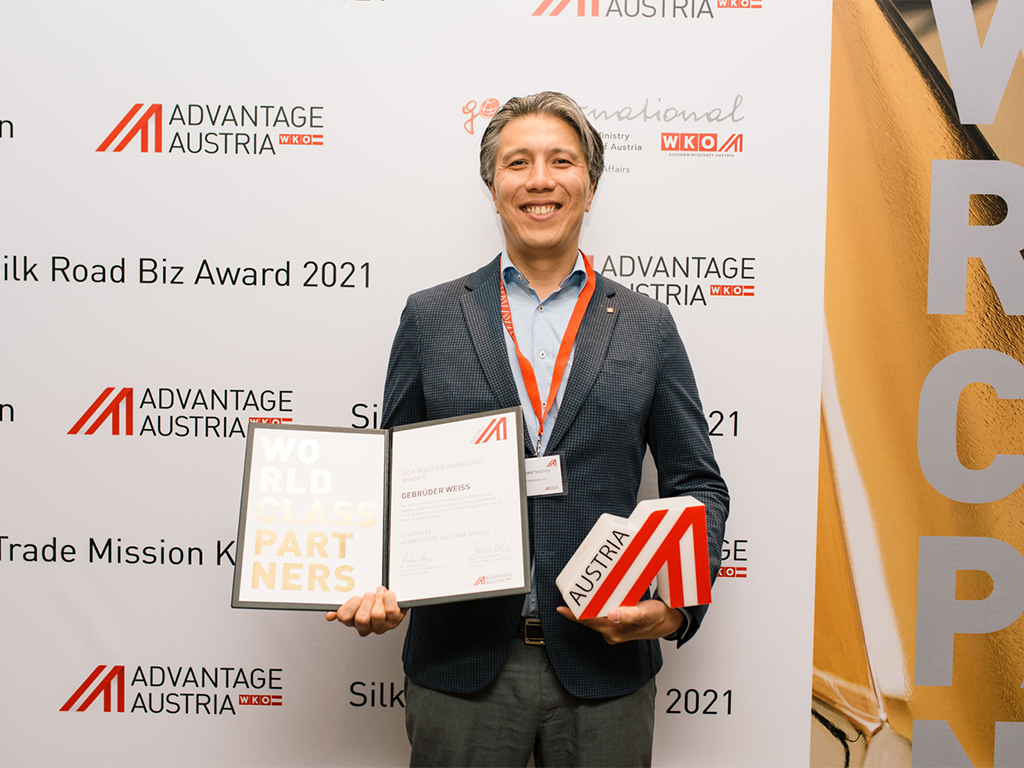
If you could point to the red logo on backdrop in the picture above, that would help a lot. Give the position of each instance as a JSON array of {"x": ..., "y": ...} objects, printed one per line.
[
  {"x": 254, "y": 700},
  {"x": 739, "y": 3},
  {"x": 140, "y": 127},
  {"x": 732, "y": 290},
  {"x": 112, "y": 412},
  {"x": 497, "y": 428},
  {"x": 105, "y": 687},
  {"x": 581, "y": 7},
  {"x": 488, "y": 108},
  {"x": 732, "y": 572},
  {"x": 700, "y": 142},
  {"x": 301, "y": 139}
]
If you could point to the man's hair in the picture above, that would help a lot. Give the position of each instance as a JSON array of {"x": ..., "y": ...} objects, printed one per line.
[{"x": 547, "y": 103}]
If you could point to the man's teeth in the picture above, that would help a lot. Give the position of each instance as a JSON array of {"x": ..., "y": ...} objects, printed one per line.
[{"x": 540, "y": 210}]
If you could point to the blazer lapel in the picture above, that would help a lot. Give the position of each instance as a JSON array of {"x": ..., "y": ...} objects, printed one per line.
[
  {"x": 592, "y": 342},
  {"x": 481, "y": 308}
]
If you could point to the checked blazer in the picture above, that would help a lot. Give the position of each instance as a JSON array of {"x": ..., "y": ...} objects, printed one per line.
[{"x": 630, "y": 386}]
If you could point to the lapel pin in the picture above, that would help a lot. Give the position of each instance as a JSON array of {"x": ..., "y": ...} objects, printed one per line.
[{"x": 609, "y": 310}]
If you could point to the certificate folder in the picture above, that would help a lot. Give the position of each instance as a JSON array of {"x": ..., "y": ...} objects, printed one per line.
[{"x": 435, "y": 511}]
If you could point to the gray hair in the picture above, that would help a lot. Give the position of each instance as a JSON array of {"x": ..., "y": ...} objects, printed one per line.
[{"x": 546, "y": 103}]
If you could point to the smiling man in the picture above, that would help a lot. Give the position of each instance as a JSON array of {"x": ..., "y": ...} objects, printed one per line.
[{"x": 602, "y": 375}]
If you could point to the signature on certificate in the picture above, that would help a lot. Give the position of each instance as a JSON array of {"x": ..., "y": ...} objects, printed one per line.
[
  {"x": 494, "y": 546},
  {"x": 416, "y": 558}
]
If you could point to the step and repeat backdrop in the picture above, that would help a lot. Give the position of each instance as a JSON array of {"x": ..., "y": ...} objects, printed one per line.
[{"x": 213, "y": 213}]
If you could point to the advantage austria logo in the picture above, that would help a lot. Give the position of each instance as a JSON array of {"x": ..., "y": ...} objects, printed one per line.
[
  {"x": 212, "y": 129},
  {"x": 173, "y": 690},
  {"x": 201, "y": 412},
  {"x": 105, "y": 686},
  {"x": 581, "y": 7},
  {"x": 496, "y": 428},
  {"x": 684, "y": 9}
]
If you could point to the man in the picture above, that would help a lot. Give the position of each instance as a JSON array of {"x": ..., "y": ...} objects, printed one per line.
[{"x": 601, "y": 374}]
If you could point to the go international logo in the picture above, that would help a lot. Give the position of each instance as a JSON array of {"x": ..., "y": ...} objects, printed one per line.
[{"x": 488, "y": 108}]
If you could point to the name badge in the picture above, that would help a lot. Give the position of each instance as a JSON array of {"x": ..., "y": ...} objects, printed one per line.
[{"x": 544, "y": 476}]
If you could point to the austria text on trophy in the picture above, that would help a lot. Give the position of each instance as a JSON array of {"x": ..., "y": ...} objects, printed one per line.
[{"x": 663, "y": 539}]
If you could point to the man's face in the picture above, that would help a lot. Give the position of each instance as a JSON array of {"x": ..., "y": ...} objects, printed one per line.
[{"x": 541, "y": 187}]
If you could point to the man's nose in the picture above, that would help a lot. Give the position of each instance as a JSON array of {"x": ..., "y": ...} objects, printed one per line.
[{"x": 540, "y": 177}]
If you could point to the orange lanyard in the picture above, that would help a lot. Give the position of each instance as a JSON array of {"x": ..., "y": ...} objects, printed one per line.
[{"x": 529, "y": 377}]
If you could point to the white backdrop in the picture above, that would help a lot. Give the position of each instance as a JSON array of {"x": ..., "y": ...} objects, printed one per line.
[{"x": 385, "y": 189}]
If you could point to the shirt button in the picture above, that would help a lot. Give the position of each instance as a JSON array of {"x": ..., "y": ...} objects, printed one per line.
[
  {"x": 543, "y": 354},
  {"x": 540, "y": 308}
]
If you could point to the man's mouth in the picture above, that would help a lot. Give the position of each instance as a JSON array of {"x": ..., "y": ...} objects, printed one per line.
[{"x": 540, "y": 210}]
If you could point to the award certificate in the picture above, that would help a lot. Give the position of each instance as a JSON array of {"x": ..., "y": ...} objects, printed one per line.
[
  {"x": 435, "y": 511},
  {"x": 458, "y": 510}
]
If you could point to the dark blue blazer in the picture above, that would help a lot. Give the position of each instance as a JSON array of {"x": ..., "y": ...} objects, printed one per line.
[{"x": 630, "y": 386}]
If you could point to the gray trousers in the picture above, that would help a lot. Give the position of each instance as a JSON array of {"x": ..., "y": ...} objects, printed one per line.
[{"x": 524, "y": 711}]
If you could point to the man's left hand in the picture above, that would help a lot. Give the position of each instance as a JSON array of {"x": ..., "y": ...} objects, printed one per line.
[{"x": 648, "y": 620}]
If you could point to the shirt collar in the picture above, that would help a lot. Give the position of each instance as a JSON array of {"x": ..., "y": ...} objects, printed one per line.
[{"x": 511, "y": 273}]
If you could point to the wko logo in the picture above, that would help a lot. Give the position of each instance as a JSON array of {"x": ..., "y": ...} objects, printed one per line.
[
  {"x": 105, "y": 687},
  {"x": 694, "y": 143},
  {"x": 732, "y": 290},
  {"x": 256, "y": 700},
  {"x": 739, "y": 3},
  {"x": 496, "y": 428}
]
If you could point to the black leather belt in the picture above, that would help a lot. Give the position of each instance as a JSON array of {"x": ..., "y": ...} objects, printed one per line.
[{"x": 529, "y": 631}]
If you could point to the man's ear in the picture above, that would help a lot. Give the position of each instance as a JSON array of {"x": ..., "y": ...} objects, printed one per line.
[
  {"x": 590, "y": 197},
  {"x": 494, "y": 196}
]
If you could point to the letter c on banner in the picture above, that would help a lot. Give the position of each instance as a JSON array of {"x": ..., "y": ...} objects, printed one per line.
[{"x": 936, "y": 426}]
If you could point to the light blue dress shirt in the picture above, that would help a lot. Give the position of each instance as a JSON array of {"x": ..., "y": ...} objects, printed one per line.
[{"x": 540, "y": 326}]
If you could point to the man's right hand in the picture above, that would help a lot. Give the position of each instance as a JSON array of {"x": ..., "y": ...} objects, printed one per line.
[{"x": 375, "y": 612}]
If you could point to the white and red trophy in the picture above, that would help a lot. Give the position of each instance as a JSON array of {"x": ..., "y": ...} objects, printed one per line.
[{"x": 663, "y": 539}]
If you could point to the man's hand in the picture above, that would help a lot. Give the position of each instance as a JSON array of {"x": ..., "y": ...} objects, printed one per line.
[
  {"x": 375, "y": 612},
  {"x": 649, "y": 620}
]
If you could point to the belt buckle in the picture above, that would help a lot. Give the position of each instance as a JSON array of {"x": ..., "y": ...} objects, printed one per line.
[{"x": 531, "y": 632}]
